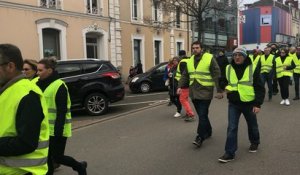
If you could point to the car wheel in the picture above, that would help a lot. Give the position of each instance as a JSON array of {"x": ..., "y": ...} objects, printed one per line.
[
  {"x": 96, "y": 104},
  {"x": 145, "y": 87}
]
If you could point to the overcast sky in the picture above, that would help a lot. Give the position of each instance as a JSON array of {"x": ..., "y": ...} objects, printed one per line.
[{"x": 247, "y": 1}]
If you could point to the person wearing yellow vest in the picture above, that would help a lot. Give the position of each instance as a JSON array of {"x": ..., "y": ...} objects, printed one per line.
[
  {"x": 184, "y": 95},
  {"x": 58, "y": 102},
  {"x": 296, "y": 73},
  {"x": 24, "y": 133},
  {"x": 284, "y": 66},
  {"x": 202, "y": 75},
  {"x": 255, "y": 57},
  {"x": 245, "y": 94},
  {"x": 30, "y": 69},
  {"x": 267, "y": 71},
  {"x": 173, "y": 83}
]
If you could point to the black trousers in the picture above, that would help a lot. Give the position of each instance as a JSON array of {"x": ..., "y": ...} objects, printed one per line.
[
  {"x": 296, "y": 80},
  {"x": 284, "y": 83},
  {"x": 56, "y": 153}
]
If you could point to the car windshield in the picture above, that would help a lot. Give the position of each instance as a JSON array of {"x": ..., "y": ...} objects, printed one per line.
[{"x": 153, "y": 68}]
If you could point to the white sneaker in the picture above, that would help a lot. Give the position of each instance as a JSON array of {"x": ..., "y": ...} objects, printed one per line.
[
  {"x": 287, "y": 102},
  {"x": 177, "y": 114},
  {"x": 282, "y": 102}
]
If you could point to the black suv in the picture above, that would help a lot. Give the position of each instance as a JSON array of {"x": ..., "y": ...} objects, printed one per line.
[{"x": 92, "y": 84}]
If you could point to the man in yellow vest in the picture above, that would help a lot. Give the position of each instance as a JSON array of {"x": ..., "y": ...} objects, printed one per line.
[
  {"x": 296, "y": 74},
  {"x": 58, "y": 102},
  {"x": 202, "y": 74},
  {"x": 275, "y": 52},
  {"x": 24, "y": 129},
  {"x": 245, "y": 93},
  {"x": 267, "y": 62}
]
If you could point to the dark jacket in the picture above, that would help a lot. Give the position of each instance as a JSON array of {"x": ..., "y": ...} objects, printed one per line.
[
  {"x": 183, "y": 68},
  {"x": 29, "y": 117},
  {"x": 61, "y": 100},
  {"x": 173, "y": 81},
  {"x": 259, "y": 88}
]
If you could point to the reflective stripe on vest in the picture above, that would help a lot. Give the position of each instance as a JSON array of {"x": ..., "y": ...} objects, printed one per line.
[
  {"x": 266, "y": 63},
  {"x": 280, "y": 72},
  {"x": 244, "y": 86},
  {"x": 50, "y": 94},
  {"x": 297, "y": 63},
  {"x": 36, "y": 161},
  {"x": 202, "y": 73}
]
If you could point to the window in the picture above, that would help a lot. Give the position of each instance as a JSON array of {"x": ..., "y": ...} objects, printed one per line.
[
  {"x": 90, "y": 68},
  {"x": 137, "y": 51},
  {"x": 67, "y": 70},
  {"x": 55, "y": 4},
  {"x": 265, "y": 20},
  {"x": 136, "y": 12},
  {"x": 51, "y": 44},
  {"x": 157, "y": 11},
  {"x": 157, "y": 51},
  {"x": 178, "y": 47},
  {"x": 93, "y": 6},
  {"x": 92, "y": 47},
  {"x": 178, "y": 15}
]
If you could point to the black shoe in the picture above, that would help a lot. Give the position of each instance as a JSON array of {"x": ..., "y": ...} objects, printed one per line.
[
  {"x": 226, "y": 158},
  {"x": 198, "y": 142},
  {"x": 82, "y": 170},
  {"x": 253, "y": 148},
  {"x": 296, "y": 98}
]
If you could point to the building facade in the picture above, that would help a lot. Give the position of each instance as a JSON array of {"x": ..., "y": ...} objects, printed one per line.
[{"x": 113, "y": 30}]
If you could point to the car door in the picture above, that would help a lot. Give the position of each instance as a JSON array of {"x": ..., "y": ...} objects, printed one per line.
[{"x": 157, "y": 78}]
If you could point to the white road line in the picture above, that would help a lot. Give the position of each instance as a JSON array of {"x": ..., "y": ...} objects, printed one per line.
[
  {"x": 131, "y": 96},
  {"x": 125, "y": 104}
]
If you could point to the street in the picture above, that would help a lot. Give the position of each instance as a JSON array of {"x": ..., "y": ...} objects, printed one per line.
[{"x": 152, "y": 142}]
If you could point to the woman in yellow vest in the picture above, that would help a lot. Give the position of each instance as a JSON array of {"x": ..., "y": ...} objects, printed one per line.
[
  {"x": 245, "y": 93},
  {"x": 24, "y": 133},
  {"x": 284, "y": 66},
  {"x": 296, "y": 74},
  {"x": 58, "y": 102}
]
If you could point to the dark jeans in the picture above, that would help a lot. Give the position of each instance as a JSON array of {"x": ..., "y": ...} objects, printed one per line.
[
  {"x": 175, "y": 100},
  {"x": 204, "y": 129},
  {"x": 57, "y": 147},
  {"x": 284, "y": 83},
  {"x": 234, "y": 113},
  {"x": 268, "y": 77},
  {"x": 275, "y": 85},
  {"x": 296, "y": 80}
]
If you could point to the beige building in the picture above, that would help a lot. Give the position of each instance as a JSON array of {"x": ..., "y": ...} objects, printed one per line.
[{"x": 126, "y": 32}]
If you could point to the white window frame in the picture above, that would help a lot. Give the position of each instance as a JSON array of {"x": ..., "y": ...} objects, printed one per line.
[
  {"x": 139, "y": 17},
  {"x": 142, "y": 38},
  {"x": 161, "y": 49},
  {"x": 179, "y": 40},
  {"x": 159, "y": 12},
  {"x": 99, "y": 8},
  {"x": 58, "y": 4},
  {"x": 54, "y": 24}
]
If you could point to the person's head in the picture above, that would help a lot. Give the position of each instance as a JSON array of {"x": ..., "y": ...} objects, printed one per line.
[
  {"x": 175, "y": 61},
  {"x": 11, "y": 63},
  {"x": 182, "y": 53},
  {"x": 255, "y": 52},
  {"x": 196, "y": 48},
  {"x": 239, "y": 55},
  {"x": 30, "y": 68},
  {"x": 267, "y": 50},
  {"x": 221, "y": 52},
  {"x": 292, "y": 50},
  {"x": 283, "y": 52},
  {"x": 273, "y": 47},
  {"x": 46, "y": 67}
]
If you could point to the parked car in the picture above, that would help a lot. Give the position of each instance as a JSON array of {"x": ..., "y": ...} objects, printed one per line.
[
  {"x": 92, "y": 84},
  {"x": 151, "y": 80}
]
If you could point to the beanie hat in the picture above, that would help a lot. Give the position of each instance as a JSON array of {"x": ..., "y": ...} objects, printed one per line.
[
  {"x": 182, "y": 53},
  {"x": 241, "y": 51}
]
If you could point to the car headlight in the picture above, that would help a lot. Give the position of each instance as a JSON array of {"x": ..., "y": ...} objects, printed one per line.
[{"x": 134, "y": 79}]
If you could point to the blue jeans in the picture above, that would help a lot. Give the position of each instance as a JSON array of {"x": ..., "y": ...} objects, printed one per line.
[
  {"x": 234, "y": 113},
  {"x": 268, "y": 77},
  {"x": 204, "y": 129}
]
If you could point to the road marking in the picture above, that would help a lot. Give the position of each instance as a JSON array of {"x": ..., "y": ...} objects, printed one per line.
[
  {"x": 125, "y": 104},
  {"x": 131, "y": 96}
]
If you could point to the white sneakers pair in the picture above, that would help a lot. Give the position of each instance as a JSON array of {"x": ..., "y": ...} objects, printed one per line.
[
  {"x": 285, "y": 102},
  {"x": 177, "y": 114}
]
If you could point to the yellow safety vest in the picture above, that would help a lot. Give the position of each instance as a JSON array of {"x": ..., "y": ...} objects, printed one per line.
[
  {"x": 244, "y": 86},
  {"x": 266, "y": 63},
  {"x": 254, "y": 61},
  {"x": 50, "y": 94},
  {"x": 297, "y": 63},
  {"x": 280, "y": 72},
  {"x": 178, "y": 73},
  {"x": 35, "y": 80},
  {"x": 36, "y": 161},
  {"x": 201, "y": 74}
]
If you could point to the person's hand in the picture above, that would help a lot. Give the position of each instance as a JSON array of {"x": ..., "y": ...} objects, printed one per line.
[
  {"x": 178, "y": 92},
  {"x": 219, "y": 95},
  {"x": 256, "y": 109}
]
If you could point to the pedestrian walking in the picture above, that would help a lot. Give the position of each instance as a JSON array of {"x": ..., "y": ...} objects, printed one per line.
[
  {"x": 245, "y": 93},
  {"x": 30, "y": 69},
  {"x": 202, "y": 74},
  {"x": 174, "y": 85},
  {"x": 24, "y": 128},
  {"x": 284, "y": 66},
  {"x": 267, "y": 62},
  {"x": 296, "y": 74},
  {"x": 275, "y": 52},
  {"x": 184, "y": 95},
  {"x": 58, "y": 102},
  {"x": 166, "y": 78}
]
